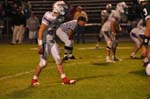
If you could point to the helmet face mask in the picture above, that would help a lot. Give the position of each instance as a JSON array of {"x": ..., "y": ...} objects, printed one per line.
[
  {"x": 59, "y": 10},
  {"x": 109, "y": 7},
  {"x": 142, "y": 1}
]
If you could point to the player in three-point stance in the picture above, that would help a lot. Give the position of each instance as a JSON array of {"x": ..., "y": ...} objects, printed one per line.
[
  {"x": 137, "y": 35},
  {"x": 66, "y": 31}
]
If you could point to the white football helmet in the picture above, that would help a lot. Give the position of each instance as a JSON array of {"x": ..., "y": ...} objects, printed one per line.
[
  {"x": 109, "y": 6},
  {"x": 147, "y": 69},
  {"x": 59, "y": 10},
  {"x": 140, "y": 1},
  {"x": 60, "y": 3},
  {"x": 121, "y": 7}
]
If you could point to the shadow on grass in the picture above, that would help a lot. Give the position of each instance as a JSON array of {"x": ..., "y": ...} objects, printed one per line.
[
  {"x": 28, "y": 91},
  {"x": 93, "y": 77},
  {"x": 23, "y": 93},
  {"x": 128, "y": 58},
  {"x": 140, "y": 72}
]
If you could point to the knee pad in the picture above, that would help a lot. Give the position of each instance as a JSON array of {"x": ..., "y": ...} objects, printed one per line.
[
  {"x": 43, "y": 62},
  {"x": 109, "y": 44},
  {"x": 108, "y": 48},
  {"x": 56, "y": 54},
  {"x": 58, "y": 60},
  {"x": 68, "y": 43}
]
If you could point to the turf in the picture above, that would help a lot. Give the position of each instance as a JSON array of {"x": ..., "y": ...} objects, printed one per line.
[{"x": 96, "y": 78}]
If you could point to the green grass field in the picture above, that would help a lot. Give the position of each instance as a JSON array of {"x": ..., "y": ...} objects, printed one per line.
[{"x": 96, "y": 78}]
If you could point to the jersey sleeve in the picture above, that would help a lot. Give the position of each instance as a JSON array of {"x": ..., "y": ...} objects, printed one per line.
[{"x": 45, "y": 19}]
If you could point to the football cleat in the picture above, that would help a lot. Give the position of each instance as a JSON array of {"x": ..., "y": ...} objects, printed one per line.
[
  {"x": 116, "y": 59},
  {"x": 65, "y": 58},
  {"x": 34, "y": 82},
  {"x": 68, "y": 81},
  {"x": 97, "y": 46},
  {"x": 145, "y": 64},
  {"x": 133, "y": 57},
  {"x": 108, "y": 60},
  {"x": 72, "y": 57}
]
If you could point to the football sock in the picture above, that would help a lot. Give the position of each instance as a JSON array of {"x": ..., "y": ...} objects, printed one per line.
[
  {"x": 62, "y": 76},
  {"x": 35, "y": 77}
]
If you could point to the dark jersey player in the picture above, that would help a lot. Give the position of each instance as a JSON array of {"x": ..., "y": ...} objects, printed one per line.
[{"x": 145, "y": 13}]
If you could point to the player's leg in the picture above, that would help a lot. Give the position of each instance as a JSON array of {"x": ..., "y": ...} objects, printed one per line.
[
  {"x": 15, "y": 30},
  {"x": 20, "y": 34},
  {"x": 109, "y": 45},
  {"x": 99, "y": 39},
  {"x": 68, "y": 49},
  {"x": 114, "y": 47},
  {"x": 31, "y": 35},
  {"x": 56, "y": 55},
  {"x": 146, "y": 43},
  {"x": 137, "y": 46},
  {"x": 40, "y": 66}
]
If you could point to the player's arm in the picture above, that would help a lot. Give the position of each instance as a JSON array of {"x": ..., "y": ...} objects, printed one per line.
[
  {"x": 115, "y": 27},
  {"x": 147, "y": 31},
  {"x": 70, "y": 33},
  {"x": 40, "y": 34},
  {"x": 40, "y": 37}
]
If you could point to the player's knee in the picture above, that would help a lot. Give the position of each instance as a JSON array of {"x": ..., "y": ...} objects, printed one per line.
[
  {"x": 58, "y": 60},
  {"x": 138, "y": 46},
  {"x": 68, "y": 43},
  {"x": 43, "y": 63},
  {"x": 109, "y": 44},
  {"x": 115, "y": 44},
  {"x": 108, "y": 48}
]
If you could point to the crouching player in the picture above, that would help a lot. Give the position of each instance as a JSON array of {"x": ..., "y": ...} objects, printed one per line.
[
  {"x": 145, "y": 13},
  {"x": 66, "y": 31},
  {"x": 48, "y": 45},
  {"x": 110, "y": 31},
  {"x": 137, "y": 35}
]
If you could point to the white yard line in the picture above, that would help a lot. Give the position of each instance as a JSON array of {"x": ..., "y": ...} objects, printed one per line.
[{"x": 31, "y": 71}]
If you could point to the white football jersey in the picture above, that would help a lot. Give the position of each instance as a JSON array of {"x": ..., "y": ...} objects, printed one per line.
[
  {"x": 68, "y": 25},
  {"x": 114, "y": 16},
  {"x": 48, "y": 18}
]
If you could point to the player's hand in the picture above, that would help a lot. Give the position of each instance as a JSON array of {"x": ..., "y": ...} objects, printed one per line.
[
  {"x": 114, "y": 34},
  {"x": 41, "y": 50},
  {"x": 70, "y": 34},
  {"x": 70, "y": 37}
]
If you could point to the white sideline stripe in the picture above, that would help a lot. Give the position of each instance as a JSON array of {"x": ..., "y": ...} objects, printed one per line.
[
  {"x": 31, "y": 71},
  {"x": 91, "y": 48}
]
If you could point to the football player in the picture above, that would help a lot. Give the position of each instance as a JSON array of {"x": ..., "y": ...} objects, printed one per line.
[
  {"x": 110, "y": 31},
  {"x": 104, "y": 16},
  {"x": 48, "y": 45},
  {"x": 145, "y": 13},
  {"x": 137, "y": 35},
  {"x": 66, "y": 31}
]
